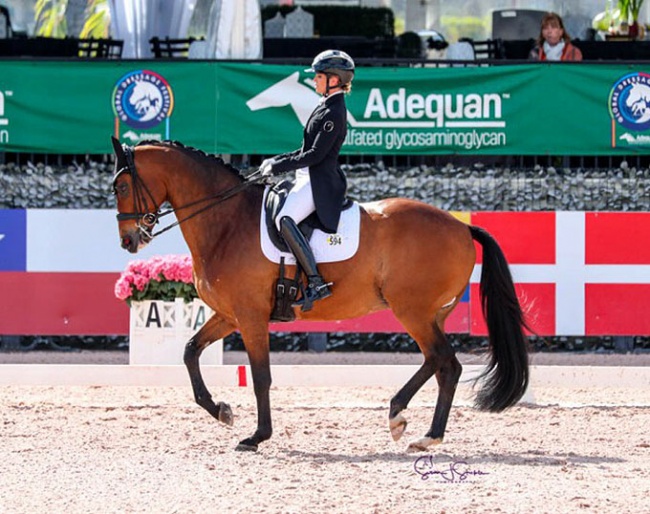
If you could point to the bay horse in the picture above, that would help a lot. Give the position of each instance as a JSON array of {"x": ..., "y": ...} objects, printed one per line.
[{"x": 412, "y": 258}]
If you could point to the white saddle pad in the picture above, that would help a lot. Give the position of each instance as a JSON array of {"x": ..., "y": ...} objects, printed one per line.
[{"x": 326, "y": 247}]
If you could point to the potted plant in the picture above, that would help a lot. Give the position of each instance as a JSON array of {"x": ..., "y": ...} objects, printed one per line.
[
  {"x": 630, "y": 13},
  {"x": 620, "y": 19},
  {"x": 158, "y": 278},
  {"x": 165, "y": 310}
]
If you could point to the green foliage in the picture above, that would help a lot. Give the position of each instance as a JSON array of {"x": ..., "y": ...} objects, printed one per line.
[
  {"x": 165, "y": 290},
  {"x": 400, "y": 25},
  {"x": 50, "y": 18},
  {"x": 456, "y": 27},
  {"x": 335, "y": 20},
  {"x": 604, "y": 20},
  {"x": 98, "y": 20},
  {"x": 630, "y": 9}
]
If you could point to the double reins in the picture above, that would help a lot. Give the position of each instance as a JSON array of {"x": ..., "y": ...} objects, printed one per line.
[{"x": 147, "y": 220}]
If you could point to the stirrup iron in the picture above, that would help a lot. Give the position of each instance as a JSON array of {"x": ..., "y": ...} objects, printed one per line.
[{"x": 316, "y": 289}]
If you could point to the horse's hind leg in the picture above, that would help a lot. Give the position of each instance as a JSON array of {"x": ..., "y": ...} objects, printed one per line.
[
  {"x": 214, "y": 329},
  {"x": 447, "y": 374},
  {"x": 425, "y": 337},
  {"x": 396, "y": 421},
  {"x": 439, "y": 359}
]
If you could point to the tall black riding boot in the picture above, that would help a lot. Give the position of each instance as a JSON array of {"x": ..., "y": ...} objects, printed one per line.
[{"x": 317, "y": 288}]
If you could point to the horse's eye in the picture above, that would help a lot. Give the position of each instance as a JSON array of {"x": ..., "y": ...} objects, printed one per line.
[{"x": 122, "y": 189}]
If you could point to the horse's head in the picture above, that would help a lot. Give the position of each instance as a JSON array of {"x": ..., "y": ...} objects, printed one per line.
[
  {"x": 638, "y": 101},
  {"x": 138, "y": 199},
  {"x": 146, "y": 100}
]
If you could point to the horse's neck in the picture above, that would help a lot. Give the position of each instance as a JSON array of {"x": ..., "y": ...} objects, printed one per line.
[
  {"x": 199, "y": 183},
  {"x": 206, "y": 232}
]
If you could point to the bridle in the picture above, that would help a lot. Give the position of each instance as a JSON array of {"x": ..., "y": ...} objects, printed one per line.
[{"x": 141, "y": 194}]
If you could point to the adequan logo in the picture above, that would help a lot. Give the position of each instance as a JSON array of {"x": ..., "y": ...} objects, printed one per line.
[
  {"x": 402, "y": 109},
  {"x": 397, "y": 109},
  {"x": 636, "y": 139},
  {"x": 289, "y": 91},
  {"x": 401, "y": 120}
]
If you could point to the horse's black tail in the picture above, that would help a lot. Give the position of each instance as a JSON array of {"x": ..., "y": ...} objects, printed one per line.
[{"x": 506, "y": 378}]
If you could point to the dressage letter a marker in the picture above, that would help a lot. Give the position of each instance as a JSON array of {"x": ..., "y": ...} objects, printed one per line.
[{"x": 153, "y": 316}]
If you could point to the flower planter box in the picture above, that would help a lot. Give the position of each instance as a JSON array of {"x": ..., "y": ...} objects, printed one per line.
[{"x": 160, "y": 329}]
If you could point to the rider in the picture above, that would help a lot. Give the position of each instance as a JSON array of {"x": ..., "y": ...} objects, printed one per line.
[{"x": 320, "y": 182}]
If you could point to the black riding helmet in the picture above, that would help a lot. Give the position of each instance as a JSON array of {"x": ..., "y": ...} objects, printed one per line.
[{"x": 334, "y": 62}]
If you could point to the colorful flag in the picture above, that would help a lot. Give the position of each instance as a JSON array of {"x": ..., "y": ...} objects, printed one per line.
[{"x": 576, "y": 273}]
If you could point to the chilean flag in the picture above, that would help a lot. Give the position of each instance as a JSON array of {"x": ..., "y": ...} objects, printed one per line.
[{"x": 576, "y": 273}]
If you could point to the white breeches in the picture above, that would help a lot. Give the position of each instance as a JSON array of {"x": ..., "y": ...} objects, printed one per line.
[{"x": 300, "y": 201}]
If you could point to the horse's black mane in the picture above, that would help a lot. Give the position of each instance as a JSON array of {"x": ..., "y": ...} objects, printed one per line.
[{"x": 195, "y": 151}]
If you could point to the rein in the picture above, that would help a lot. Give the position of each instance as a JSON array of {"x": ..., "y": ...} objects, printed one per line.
[
  {"x": 147, "y": 220},
  {"x": 254, "y": 178}
]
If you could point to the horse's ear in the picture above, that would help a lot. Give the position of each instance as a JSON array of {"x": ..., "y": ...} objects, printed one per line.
[
  {"x": 117, "y": 148},
  {"x": 120, "y": 155}
]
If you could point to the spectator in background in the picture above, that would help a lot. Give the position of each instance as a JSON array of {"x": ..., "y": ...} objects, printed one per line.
[{"x": 553, "y": 43}]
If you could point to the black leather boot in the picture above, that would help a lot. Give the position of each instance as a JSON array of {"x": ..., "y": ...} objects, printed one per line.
[{"x": 317, "y": 288}]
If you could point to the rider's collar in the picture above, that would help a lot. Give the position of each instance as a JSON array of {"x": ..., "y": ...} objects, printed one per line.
[{"x": 324, "y": 98}]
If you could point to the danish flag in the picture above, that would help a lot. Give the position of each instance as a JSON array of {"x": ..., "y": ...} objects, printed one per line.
[{"x": 576, "y": 273}]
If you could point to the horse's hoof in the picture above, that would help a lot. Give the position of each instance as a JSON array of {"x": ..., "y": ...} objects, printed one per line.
[
  {"x": 225, "y": 414},
  {"x": 246, "y": 446},
  {"x": 397, "y": 426},
  {"x": 422, "y": 445}
]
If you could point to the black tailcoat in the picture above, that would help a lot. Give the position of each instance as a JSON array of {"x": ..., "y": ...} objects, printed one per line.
[{"x": 323, "y": 137}]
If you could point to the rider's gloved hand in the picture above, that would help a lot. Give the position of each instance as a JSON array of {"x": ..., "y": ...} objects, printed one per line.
[{"x": 266, "y": 167}]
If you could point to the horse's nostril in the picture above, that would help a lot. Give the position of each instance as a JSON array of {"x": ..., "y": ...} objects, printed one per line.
[{"x": 126, "y": 241}]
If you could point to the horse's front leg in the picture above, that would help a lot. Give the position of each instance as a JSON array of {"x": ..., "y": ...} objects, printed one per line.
[
  {"x": 257, "y": 346},
  {"x": 214, "y": 329}
]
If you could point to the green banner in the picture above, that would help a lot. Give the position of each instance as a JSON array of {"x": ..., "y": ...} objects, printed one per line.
[
  {"x": 74, "y": 107},
  {"x": 239, "y": 108}
]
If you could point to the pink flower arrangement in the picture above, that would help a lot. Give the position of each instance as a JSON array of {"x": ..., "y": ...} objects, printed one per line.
[{"x": 159, "y": 278}]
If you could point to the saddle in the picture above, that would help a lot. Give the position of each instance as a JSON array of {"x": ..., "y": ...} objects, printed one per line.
[{"x": 275, "y": 199}]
